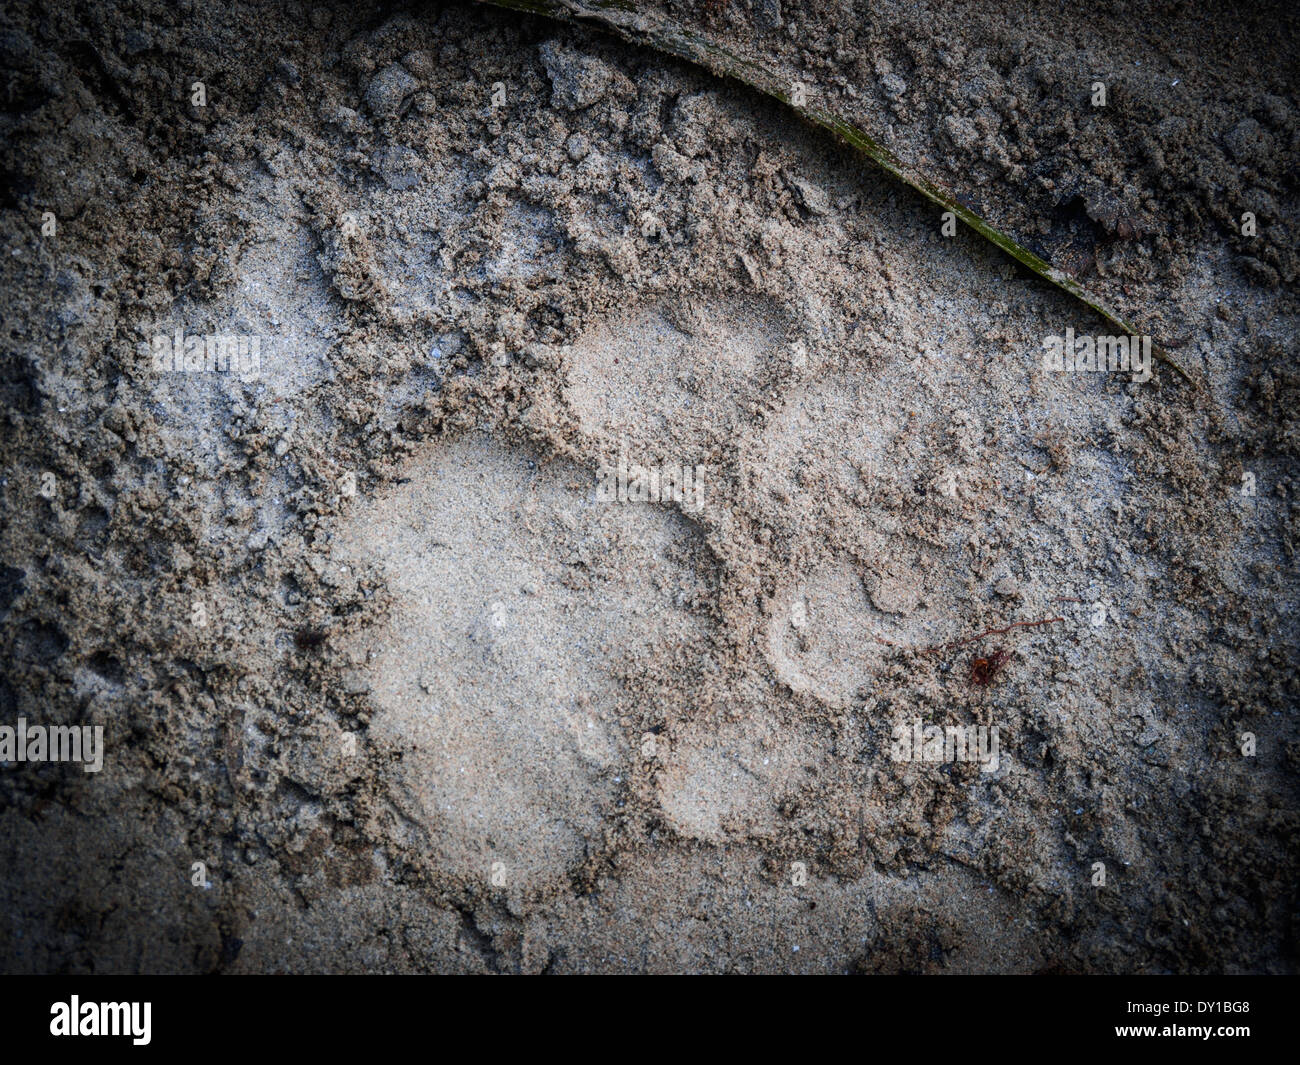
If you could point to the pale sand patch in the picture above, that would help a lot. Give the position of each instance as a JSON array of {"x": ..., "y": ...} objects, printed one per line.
[
  {"x": 519, "y": 605},
  {"x": 673, "y": 378}
]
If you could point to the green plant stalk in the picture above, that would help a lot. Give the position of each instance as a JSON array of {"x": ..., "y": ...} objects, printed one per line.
[{"x": 622, "y": 18}]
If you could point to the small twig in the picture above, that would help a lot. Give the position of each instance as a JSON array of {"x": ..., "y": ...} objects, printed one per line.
[
  {"x": 939, "y": 648},
  {"x": 988, "y": 632}
]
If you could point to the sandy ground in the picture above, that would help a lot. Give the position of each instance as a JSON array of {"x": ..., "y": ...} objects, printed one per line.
[{"x": 387, "y": 681}]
